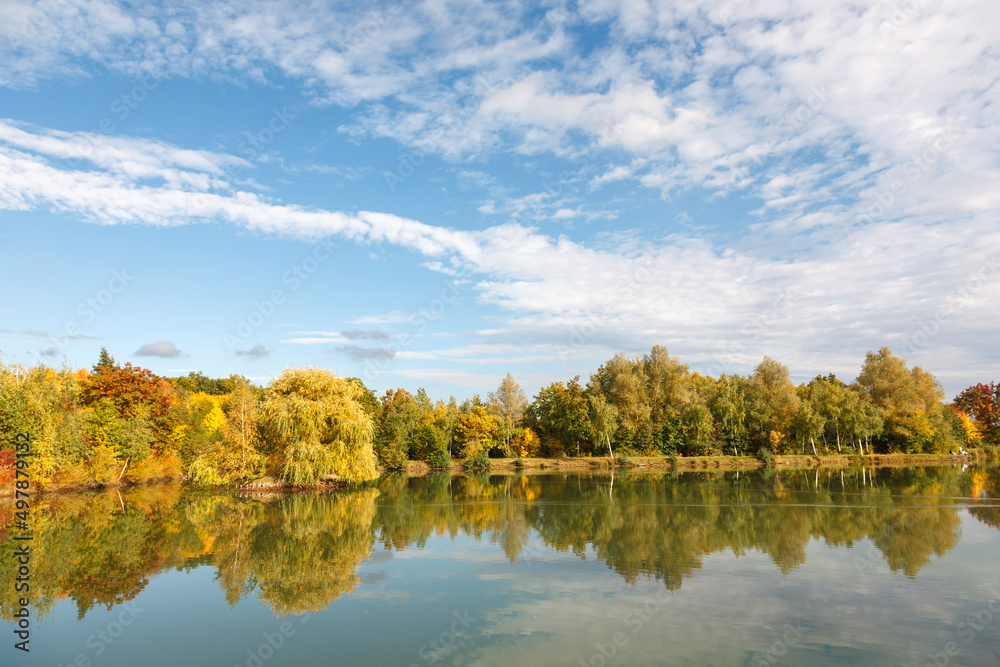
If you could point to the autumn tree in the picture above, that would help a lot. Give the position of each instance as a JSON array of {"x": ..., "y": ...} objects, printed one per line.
[
  {"x": 233, "y": 455},
  {"x": 771, "y": 404},
  {"x": 620, "y": 382},
  {"x": 728, "y": 406},
  {"x": 399, "y": 419},
  {"x": 603, "y": 422},
  {"x": 909, "y": 403},
  {"x": 507, "y": 403},
  {"x": 130, "y": 390},
  {"x": 317, "y": 424},
  {"x": 476, "y": 430},
  {"x": 981, "y": 402},
  {"x": 559, "y": 415}
]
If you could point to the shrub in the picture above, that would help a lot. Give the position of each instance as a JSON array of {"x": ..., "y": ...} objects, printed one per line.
[
  {"x": 479, "y": 460},
  {"x": 765, "y": 455},
  {"x": 440, "y": 459},
  {"x": 518, "y": 462},
  {"x": 393, "y": 458},
  {"x": 623, "y": 461}
]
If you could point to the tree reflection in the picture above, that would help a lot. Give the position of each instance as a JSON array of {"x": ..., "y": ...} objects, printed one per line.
[{"x": 299, "y": 552}]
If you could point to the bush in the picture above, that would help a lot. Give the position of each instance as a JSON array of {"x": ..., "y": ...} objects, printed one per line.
[
  {"x": 623, "y": 461},
  {"x": 479, "y": 460},
  {"x": 673, "y": 458},
  {"x": 440, "y": 459},
  {"x": 765, "y": 455},
  {"x": 518, "y": 462},
  {"x": 393, "y": 458}
]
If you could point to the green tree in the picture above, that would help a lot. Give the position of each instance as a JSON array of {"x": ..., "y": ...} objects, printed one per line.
[
  {"x": 909, "y": 403},
  {"x": 728, "y": 404},
  {"x": 622, "y": 384},
  {"x": 772, "y": 402},
  {"x": 603, "y": 422},
  {"x": 559, "y": 413},
  {"x": 507, "y": 403},
  {"x": 399, "y": 420}
]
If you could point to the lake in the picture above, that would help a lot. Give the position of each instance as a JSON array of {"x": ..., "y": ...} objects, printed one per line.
[{"x": 892, "y": 566}]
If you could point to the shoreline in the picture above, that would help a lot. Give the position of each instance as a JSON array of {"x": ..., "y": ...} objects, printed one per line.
[
  {"x": 698, "y": 463},
  {"x": 270, "y": 484}
]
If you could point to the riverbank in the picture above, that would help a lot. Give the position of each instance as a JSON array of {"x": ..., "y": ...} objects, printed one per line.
[
  {"x": 704, "y": 462},
  {"x": 270, "y": 483}
]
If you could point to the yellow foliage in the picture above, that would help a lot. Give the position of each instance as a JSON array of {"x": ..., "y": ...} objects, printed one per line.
[
  {"x": 972, "y": 432},
  {"x": 215, "y": 418},
  {"x": 529, "y": 443}
]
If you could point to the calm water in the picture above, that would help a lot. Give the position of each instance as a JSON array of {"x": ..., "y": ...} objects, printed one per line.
[{"x": 887, "y": 567}]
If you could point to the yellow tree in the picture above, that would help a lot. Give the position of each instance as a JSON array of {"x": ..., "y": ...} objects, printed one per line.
[{"x": 317, "y": 423}]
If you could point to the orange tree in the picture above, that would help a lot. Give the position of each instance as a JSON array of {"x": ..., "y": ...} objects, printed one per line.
[
  {"x": 130, "y": 391},
  {"x": 982, "y": 403}
]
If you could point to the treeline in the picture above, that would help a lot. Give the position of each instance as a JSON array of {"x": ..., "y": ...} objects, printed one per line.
[{"x": 121, "y": 423}]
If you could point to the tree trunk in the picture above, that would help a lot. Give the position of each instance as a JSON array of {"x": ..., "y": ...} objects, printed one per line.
[
  {"x": 813, "y": 443},
  {"x": 610, "y": 453}
]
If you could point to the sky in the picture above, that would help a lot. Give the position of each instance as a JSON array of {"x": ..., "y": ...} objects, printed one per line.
[{"x": 434, "y": 194}]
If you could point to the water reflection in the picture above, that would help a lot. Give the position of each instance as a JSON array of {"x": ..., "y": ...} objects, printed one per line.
[{"x": 301, "y": 552}]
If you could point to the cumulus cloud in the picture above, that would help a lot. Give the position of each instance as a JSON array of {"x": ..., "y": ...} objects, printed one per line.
[
  {"x": 867, "y": 145},
  {"x": 162, "y": 348}
]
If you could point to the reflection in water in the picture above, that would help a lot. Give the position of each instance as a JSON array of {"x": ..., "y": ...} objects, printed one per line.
[{"x": 301, "y": 552}]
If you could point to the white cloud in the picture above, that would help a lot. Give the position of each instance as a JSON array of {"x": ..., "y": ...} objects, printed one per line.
[{"x": 826, "y": 115}]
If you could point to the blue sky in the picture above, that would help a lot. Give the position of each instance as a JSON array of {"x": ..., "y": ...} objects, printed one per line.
[{"x": 438, "y": 193}]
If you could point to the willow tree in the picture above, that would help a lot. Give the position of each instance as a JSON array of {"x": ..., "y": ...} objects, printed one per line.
[{"x": 317, "y": 421}]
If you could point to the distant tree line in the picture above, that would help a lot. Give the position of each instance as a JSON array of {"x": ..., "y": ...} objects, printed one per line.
[{"x": 121, "y": 423}]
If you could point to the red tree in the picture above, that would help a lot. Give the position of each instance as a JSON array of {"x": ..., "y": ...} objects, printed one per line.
[
  {"x": 127, "y": 388},
  {"x": 982, "y": 403}
]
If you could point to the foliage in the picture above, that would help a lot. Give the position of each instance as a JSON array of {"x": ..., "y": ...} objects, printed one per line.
[
  {"x": 478, "y": 460},
  {"x": 477, "y": 426},
  {"x": 508, "y": 405},
  {"x": 440, "y": 459},
  {"x": 316, "y": 422},
  {"x": 559, "y": 412},
  {"x": 197, "y": 383},
  {"x": 909, "y": 403},
  {"x": 129, "y": 390},
  {"x": 981, "y": 402},
  {"x": 120, "y": 424}
]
